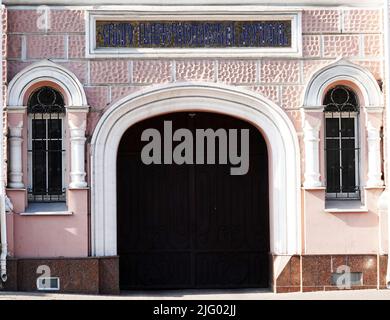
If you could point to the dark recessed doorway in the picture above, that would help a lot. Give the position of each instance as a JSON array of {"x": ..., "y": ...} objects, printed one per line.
[{"x": 192, "y": 226}]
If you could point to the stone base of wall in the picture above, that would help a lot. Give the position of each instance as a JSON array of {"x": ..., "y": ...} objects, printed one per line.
[
  {"x": 92, "y": 275},
  {"x": 314, "y": 272},
  {"x": 100, "y": 275}
]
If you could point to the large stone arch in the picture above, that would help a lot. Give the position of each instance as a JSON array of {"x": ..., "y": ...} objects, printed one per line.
[{"x": 265, "y": 115}]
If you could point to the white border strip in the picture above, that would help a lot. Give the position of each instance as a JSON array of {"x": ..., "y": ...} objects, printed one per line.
[
  {"x": 93, "y": 52},
  {"x": 327, "y": 3}
]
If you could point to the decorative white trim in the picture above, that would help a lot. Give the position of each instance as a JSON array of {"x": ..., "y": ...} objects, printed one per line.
[
  {"x": 82, "y": 109},
  {"x": 15, "y": 153},
  {"x": 374, "y": 173},
  {"x": 284, "y": 3},
  {"x": 17, "y": 109},
  {"x": 343, "y": 70},
  {"x": 77, "y": 145},
  {"x": 46, "y": 213},
  {"x": 193, "y": 13},
  {"x": 369, "y": 91},
  {"x": 46, "y": 70},
  {"x": 311, "y": 138},
  {"x": 279, "y": 132},
  {"x": 340, "y": 206},
  {"x": 76, "y": 101}
]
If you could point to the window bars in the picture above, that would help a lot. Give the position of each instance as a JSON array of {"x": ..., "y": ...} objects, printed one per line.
[
  {"x": 342, "y": 143},
  {"x": 46, "y": 152}
]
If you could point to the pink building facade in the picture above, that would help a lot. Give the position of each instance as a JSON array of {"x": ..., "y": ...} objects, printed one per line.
[{"x": 320, "y": 228}]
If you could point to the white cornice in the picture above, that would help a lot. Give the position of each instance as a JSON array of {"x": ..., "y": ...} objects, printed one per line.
[{"x": 284, "y": 3}]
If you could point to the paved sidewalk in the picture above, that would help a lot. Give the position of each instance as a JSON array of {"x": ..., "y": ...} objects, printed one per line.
[{"x": 207, "y": 295}]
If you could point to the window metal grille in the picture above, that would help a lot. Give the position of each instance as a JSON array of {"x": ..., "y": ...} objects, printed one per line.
[
  {"x": 46, "y": 152},
  {"x": 342, "y": 143}
]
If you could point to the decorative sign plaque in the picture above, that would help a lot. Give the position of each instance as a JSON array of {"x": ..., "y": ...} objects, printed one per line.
[{"x": 193, "y": 34}]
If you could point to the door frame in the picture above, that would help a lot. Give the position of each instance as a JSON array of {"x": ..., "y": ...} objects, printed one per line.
[{"x": 274, "y": 124}]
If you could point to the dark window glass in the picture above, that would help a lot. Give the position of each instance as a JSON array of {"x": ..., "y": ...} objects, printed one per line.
[
  {"x": 333, "y": 166},
  {"x": 348, "y": 127},
  {"x": 342, "y": 149},
  {"x": 55, "y": 129},
  {"x": 348, "y": 165},
  {"x": 38, "y": 166},
  {"x": 39, "y": 129},
  {"x": 46, "y": 109},
  {"x": 332, "y": 127}
]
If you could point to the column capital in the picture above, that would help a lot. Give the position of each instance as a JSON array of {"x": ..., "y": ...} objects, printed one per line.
[
  {"x": 373, "y": 110},
  {"x": 70, "y": 109},
  {"x": 374, "y": 118},
  {"x": 311, "y": 119},
  {"x": 16, "y": 109},
  {"x": 77, "y": 131},
  {"x": 15, "y": 131}
]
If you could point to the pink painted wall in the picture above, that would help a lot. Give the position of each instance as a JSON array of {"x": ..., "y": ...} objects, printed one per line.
[
  {"x": 340, "y": 233},
  {"x": 355, "y": 34},
  {"x": 50, "y": 236}
]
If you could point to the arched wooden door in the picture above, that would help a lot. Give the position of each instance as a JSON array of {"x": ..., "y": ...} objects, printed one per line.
[{"x": 192, "y": 226}]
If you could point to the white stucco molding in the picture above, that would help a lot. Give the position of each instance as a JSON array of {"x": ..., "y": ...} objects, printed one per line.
[
  {"x": 15, "y": 154},
  {"x": 41, "y": 71},
  {"x": 77, "y": 145},
  {"x": 343, "y": 70},
  {"x": 279, "y": 132},
  {"x": 374, "y": 123},
  {"x": 76, "y": 101},
  {"x": 326, "y": 3},
  {"x": 311, "y": 136},
  {"x": 198, "y": 13}
]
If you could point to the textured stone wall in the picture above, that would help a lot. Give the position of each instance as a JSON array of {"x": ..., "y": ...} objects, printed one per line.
[{"x": 327, "y": 35}]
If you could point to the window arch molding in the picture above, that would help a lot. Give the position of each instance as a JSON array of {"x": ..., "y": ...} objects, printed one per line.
[
  {"x": 343, "y": 71},
  {"x": 46, "y": 71},
  {"x": 363, "y": 83},
  {"x": 40, "y": 74}
]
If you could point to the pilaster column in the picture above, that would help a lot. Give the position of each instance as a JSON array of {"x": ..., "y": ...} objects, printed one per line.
[
  {"x": 15, "y": 138},
  {"x": 77, "y": 119},
  {"x": 311, "y": 120},
  {"x": 373, "y": 126}
]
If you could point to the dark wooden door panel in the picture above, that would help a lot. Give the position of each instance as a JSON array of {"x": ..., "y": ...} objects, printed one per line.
[
  {"x": 150, "y": 270},
  {"x": 236, "y": 269},
  {"x": 154, "y": 206},
  {"x": 192, "y": 226}
]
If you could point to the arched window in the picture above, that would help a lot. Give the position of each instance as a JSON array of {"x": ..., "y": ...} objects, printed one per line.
[
  {"x": 46, "y": 154},
  {"x": 342, "y": 143}
]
